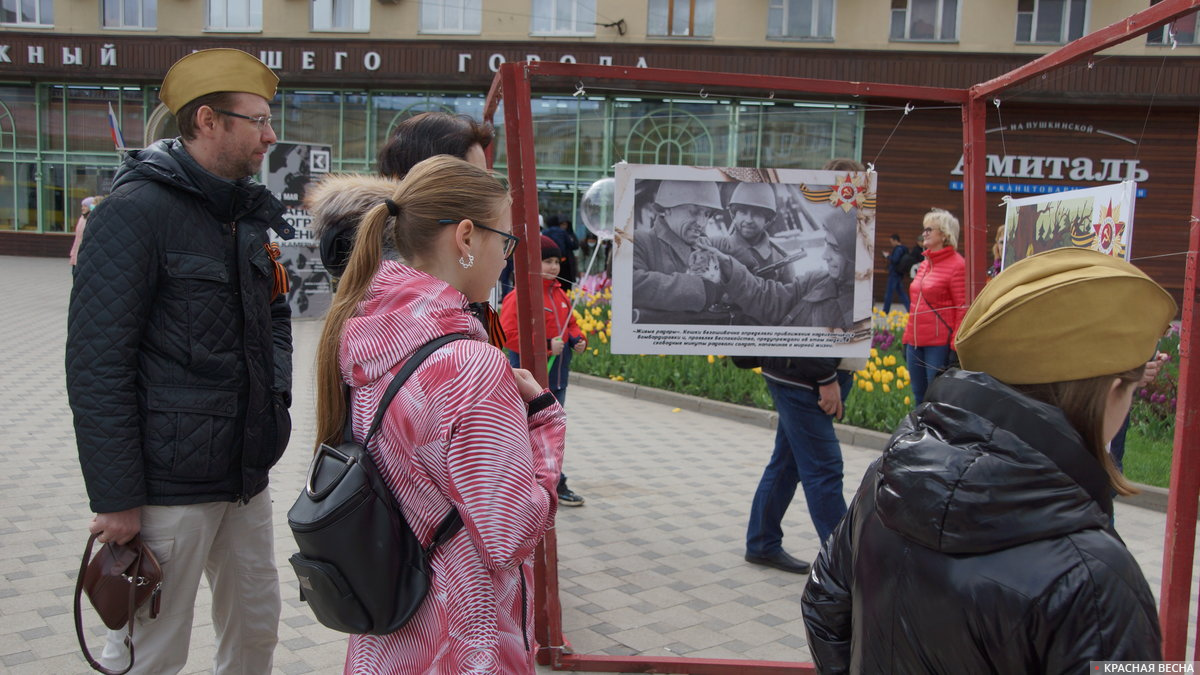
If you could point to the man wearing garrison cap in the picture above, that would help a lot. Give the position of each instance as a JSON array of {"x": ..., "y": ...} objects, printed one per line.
[{"x": 179, "y": 364}]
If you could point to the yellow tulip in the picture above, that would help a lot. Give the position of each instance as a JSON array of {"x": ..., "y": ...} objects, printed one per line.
[
  {"x": 863, "y": 373},
  {"x": 907, "y": 401},
  {"x": 757, "y": 370},
  {"x": 877, "y": 376},
  {"x": 868, "y": 386},
  {"x": 874, "y": 352},
  {"x": 711, "y": 359},
  {"x": 595, "y": 352},
  {"x": 887, "y": 389}
]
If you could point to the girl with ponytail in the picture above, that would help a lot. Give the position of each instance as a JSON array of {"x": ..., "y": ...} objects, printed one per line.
[{"x": 466, "y": 431}]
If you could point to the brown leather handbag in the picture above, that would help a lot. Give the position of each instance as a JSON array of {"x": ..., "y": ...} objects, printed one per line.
[{"x": 118, "y": 580}]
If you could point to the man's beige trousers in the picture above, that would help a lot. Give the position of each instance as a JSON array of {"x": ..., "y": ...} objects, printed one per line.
[{"x": 232, "y": 545}]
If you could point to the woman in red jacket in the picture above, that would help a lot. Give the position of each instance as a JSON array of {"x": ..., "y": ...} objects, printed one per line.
[{"x": 939, "y": 301}]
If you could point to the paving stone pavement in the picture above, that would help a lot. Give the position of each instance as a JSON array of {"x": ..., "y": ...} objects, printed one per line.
[{"x": 651, "y": 565}]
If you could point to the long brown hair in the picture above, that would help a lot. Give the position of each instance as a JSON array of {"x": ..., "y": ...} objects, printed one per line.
[
  {"x": 1084, "y": 402},
  {"x": 439, "y": 188}
]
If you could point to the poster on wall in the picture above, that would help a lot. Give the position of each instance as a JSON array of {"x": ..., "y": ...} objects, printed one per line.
[
  {"x": 1099, "y": 218},
  {"x": 289, "y": 168},
  {"x": 733, "y": 261}
]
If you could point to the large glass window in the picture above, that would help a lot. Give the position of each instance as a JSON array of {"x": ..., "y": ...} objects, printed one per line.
[
  {"x": 693, "y": 132},
  {"x": 235, "y": 15},
  {"x": 56, "y": 146},
  {"x": 802, "y": 19},
  {"x": 341, "y": 15},
  {"x": 138, "y": 14},
  {"x": 1180, "y": 31},
  {"x": 451, "y": 16},
  {"x": 681, "y": 18},
  {"x": 795, "y": 135},
  {"x": 563, "y": 17},
  {"x": 27, "y": 12},
  {"x": 931, "y": 20},
  {"x": 1051, "y": 21}
]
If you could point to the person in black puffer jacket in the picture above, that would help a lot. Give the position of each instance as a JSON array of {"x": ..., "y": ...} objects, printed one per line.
[
  {"x": 981, "y": 540},
  {"x": 178, "y": 364}
]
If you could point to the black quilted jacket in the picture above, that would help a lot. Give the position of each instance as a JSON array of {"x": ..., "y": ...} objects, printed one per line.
[
  {"x": 178, "y": 362},
  {"x": 979, "y": 543}
]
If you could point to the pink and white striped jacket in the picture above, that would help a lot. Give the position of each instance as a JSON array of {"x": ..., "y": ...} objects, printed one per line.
[{"x": 457, "y": 433}]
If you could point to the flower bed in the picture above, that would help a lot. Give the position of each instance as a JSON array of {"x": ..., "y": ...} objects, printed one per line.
[{"x": 881, "y": 394}]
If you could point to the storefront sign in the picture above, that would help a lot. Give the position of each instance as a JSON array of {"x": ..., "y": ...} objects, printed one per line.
[
  {"x": 1070, "y": 171},
  {"x": 314, "y": 58}
]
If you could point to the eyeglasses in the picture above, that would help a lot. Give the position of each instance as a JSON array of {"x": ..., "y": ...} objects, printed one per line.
[
  {"x": 927, "y": 230},
  {"x": 260, "y": 121},
  {"x": 510, "y": 242}
]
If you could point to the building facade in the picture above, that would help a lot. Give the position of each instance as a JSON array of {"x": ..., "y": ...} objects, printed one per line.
[{"x": 352, "y": 69}]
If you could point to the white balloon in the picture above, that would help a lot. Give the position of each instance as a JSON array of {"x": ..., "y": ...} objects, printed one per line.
[{"x": 596, "y": 208}]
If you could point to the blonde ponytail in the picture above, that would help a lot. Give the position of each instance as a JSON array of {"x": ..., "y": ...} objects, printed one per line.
[{"x": 364, "y": 260}]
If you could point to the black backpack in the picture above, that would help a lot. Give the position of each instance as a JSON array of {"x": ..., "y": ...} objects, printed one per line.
[{"x": 361, "y": 568}]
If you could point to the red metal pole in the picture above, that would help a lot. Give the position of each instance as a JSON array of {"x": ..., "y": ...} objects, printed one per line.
[
  {"x": 522, "y": 172},
  {"x": 741, "y": 81},
  {"x": 974, "y": 115},
  {"x": 1180, "y": 540},
  {"x": 490, "y": 105},
  {"x": 522, "y": 178},
  {"x": 681, "y": 664},
  {"x": 1126, "y": 29}
]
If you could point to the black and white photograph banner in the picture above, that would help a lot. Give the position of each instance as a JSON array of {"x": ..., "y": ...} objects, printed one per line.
[{"x": 733, "y": 261}]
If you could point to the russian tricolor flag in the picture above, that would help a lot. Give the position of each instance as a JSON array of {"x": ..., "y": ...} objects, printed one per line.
[{"x": 115, "y": 128}]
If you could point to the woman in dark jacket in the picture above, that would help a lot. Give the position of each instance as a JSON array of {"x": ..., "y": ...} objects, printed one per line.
[{"x": 981, "y": 540}]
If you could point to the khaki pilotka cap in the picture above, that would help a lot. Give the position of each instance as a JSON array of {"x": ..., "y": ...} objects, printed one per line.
[
  {"x": 1065, "y": 314},
  {"x": 212, "y": 70}
]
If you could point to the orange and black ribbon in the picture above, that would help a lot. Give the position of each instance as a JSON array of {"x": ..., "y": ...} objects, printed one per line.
[
  {"x": 280, "y": 284},
  {"x": 491, "y": 323}
]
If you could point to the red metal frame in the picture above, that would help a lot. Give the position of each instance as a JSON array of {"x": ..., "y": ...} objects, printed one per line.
[
  {"x": 1180, "y": 541},
  {"x": 513, "y": 84}
]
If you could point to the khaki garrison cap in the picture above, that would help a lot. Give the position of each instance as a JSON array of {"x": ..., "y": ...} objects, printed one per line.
[
  {"x": 1065, "y": 314},
  {"x": 212, "y": 70}
]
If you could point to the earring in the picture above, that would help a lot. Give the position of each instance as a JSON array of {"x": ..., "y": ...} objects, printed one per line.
[{"x": 468, "y": 262}]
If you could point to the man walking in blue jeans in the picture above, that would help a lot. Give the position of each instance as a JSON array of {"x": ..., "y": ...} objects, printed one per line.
[
  {"x": 897, "y": 275},
  {"x": 809, "y": 394}
]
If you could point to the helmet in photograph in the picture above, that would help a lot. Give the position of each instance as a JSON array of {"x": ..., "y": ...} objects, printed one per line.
[
  {"x": 678, "y": 192},
  {"x": 758, "y": 195}
]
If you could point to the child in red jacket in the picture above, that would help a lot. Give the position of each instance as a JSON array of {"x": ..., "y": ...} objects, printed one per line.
[{"x": 563, "y": 337}]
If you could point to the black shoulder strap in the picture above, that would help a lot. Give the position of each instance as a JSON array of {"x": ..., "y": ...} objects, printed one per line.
[
  {"x": 401, "y": 377},
  {"x": 452, "y": 523}
]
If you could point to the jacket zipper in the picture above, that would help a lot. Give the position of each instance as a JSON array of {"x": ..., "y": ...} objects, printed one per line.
[{"x": 928, "y": 269}]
